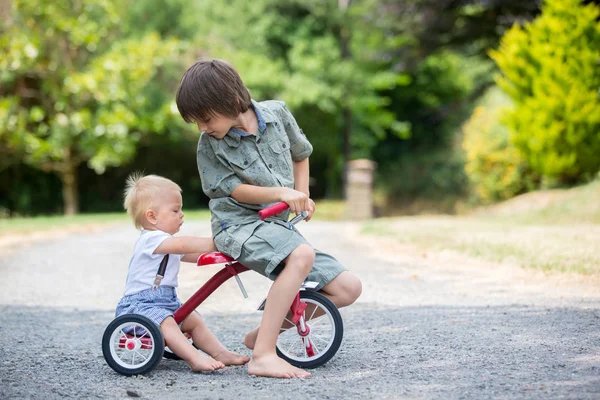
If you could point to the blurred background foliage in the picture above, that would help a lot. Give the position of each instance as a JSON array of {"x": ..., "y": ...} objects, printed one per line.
[{"x": 469, "y": 101}]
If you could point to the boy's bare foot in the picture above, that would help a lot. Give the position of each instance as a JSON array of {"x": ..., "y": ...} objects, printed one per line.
[
  {"x": 250, "y": 338},
  {"x": 274, "y": 367},
  {"x": 230, "y": 358},
  {"x": 203, "y": 363}
]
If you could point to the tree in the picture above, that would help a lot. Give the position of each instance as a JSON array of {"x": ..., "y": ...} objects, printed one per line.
[
  {"x": 324, "y": 58},
  {"x": 550, "y": 70},
  {"x": 74, "y": 89}
]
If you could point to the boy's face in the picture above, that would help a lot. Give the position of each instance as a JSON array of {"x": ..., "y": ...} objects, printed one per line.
[
  {"x": 216, "y": 126},
  {"x": 169, "y": 216}
]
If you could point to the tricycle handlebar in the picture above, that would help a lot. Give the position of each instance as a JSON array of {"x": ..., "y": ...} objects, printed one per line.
[{"x": 272, "y": 210}]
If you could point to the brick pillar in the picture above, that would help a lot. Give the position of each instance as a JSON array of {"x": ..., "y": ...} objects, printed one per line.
[
  {"x": 5, "y": 11},
  {"x": 359, "y": 190}
]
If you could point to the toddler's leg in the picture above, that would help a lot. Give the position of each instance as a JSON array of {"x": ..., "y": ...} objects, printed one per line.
[
  {"x": 177, "y": 342},
  {"x": 206, "y": 341},
  {"x": 265, "y": 361}
]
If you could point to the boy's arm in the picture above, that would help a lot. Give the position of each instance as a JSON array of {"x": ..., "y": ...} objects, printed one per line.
[
  {"x": 301, "y": 176},
  {"x": 250, "y": 194},
  {"x": 301, "y": 183},
  {"x": 185, "y": 245}
]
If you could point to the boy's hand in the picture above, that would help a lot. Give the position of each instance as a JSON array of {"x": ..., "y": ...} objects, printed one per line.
[
  {"x": 297, "y": 201},
  {"x": 311, "y": 210}
]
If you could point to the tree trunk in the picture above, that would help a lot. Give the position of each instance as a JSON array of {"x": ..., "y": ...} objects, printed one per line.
[
  {"x": 347, "y": 112},
  {"x": 69, "y": 178}
]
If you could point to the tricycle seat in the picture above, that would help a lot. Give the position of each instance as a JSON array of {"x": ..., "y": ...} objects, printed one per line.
[{"x": 213, "y": 258}]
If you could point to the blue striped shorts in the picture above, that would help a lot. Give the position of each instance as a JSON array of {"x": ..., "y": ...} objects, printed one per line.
[{"x": 157, "y": 305}]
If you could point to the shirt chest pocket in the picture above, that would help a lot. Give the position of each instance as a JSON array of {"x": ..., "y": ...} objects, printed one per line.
[
  {"x": 281, "y": 156},
  {"x": 243, "y": 161}
]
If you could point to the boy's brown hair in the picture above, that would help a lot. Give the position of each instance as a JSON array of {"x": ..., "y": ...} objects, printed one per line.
[{"x": 211, "y": 86}]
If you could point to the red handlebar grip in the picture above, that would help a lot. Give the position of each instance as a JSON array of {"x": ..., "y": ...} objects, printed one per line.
[{"x": 273, "y": 210}]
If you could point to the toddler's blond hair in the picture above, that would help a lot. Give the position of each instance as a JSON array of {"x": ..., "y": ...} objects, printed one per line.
[{"x": 141, "y": 191}]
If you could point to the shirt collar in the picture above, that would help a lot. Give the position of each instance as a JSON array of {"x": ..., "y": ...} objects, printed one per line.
[{"x": 263, "y": 115}]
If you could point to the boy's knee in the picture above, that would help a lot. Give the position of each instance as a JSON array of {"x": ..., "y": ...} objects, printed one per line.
[
  {"x": 303, "y": 256},
  {"x": 354, "y": 289},
  {"x": 348, "y": 290}
]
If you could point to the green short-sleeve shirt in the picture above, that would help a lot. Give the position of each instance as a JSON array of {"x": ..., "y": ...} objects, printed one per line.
[{"x": 265, "y": 159}]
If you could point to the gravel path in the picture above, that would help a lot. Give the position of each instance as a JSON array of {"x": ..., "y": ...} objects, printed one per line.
[{"x": 423, "y": 329}]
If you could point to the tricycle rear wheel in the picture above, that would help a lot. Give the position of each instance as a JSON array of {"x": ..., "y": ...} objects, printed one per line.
[{"x": 132, "y": 344}]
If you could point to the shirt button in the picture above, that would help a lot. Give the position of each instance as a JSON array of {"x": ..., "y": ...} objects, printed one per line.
[
  {"x": 246, "y": 162},
  {"x": 270, "y": 165},
  {"x": 284, "y": 145}
]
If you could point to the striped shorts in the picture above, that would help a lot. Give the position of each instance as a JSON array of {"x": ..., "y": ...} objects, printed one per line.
[{"x": 157, "y": 305}]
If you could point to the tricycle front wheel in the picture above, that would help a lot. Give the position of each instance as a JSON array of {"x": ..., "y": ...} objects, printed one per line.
[{"x": 326, "y": 330}]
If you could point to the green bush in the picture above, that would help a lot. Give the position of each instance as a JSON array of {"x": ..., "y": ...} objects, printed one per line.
[
  {"x": 494, "y": 166},
  {"x": 550, "y": 69}
]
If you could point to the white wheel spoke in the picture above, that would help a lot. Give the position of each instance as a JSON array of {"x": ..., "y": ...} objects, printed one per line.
[
  {"x": 294, "y": 345},
  {"x": 313, "y": 313},
  {"x": 141, "y": 355},
  {"x": 290, "y": 322},
  {"x": 316, "y": 321},
  {"x": 313, "y": 336}
]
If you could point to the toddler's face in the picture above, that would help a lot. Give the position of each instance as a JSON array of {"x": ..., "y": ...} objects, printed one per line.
[
  {"x": 216, "y": 126},
  {"x": 169, "y": 216}
]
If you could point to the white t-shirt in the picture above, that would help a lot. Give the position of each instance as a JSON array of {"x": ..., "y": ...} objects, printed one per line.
[{"x": 144, "y": 263}]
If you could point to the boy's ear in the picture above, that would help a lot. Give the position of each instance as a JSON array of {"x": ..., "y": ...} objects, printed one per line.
[{"x": 150, "y": 216}]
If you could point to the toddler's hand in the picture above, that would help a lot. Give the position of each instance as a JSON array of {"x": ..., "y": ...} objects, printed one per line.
[{"x": 297, "y": 201}]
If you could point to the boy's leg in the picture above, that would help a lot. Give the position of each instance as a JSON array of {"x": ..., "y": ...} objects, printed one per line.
[
  {"x": 344, "y": 289},
  {"x": 206, "y": 341},
  {"x": 179, "y": 344},
  {"x": 265, "y": 361}
]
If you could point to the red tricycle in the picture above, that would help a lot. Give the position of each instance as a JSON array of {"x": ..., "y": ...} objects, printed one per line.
[{"x": 132, "y": 344}]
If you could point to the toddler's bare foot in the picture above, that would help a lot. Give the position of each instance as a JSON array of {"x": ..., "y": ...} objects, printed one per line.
[
  {"x": 274, "y": 367},
  {"x": 203, "y": 363},
  {"x": 250, "y": 338},
  {"x": 230, "y": 358}
]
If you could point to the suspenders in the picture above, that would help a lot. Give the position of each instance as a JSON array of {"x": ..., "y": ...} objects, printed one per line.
[{"x": 160, "y": 274}]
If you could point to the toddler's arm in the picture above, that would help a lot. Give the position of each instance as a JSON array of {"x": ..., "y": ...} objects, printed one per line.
[
  {"x": 191, "y": 258},
  {"x": 188, "y": 245}
]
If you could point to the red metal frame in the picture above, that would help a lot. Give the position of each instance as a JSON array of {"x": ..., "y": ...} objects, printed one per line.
[
  {"x": 231, "y": 269},
  {"x": 209, "y": 287}
]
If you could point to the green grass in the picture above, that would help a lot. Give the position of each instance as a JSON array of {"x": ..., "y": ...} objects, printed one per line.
[
  {"x": 45, "y": 223},
  {"x": 27, "y": 225},
  {"x": 551, "y": 231}
]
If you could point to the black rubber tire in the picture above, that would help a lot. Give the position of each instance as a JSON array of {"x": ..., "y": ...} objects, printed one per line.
[
  {"x": 327, "y": 304},
  {"x": 150, "y": 327}
]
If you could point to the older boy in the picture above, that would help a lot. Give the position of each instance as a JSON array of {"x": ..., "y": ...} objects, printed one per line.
[{"x": 251, "y": 155}]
